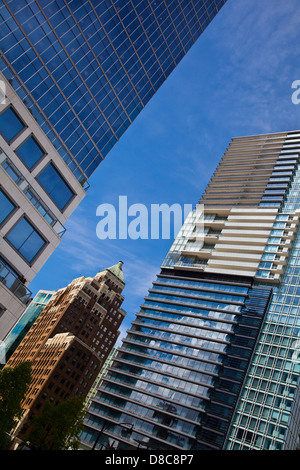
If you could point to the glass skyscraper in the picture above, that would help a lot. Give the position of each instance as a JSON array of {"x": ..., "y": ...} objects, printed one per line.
[
  {"x": 211, "y": 360},
  {"x": 87, "y": 68}
]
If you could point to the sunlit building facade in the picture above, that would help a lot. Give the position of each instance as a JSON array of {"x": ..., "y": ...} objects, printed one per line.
[
  {"x": 70, "y": 340},
  {"x": 211, "y": 360}
]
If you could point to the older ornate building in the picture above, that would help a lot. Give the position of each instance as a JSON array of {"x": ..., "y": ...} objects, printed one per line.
[{"x": 71, "y": 338}]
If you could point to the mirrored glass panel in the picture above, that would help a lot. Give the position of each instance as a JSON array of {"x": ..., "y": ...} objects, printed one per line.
[{"x": 6, "y": 206}]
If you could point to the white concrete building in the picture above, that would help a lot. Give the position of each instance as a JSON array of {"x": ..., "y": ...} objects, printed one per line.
[{"x": 38, "y": 192}]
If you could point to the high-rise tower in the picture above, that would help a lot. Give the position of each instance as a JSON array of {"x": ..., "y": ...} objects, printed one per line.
[
  {"x": 74, "y": 76},
  {"x": 210, "y": 361},
  {"x": 38, "y": 193},
  {"x": 87, "y": 69}
]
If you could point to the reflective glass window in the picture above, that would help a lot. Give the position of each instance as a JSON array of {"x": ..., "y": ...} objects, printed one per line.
[
  {"x": 30, "y": 152},
  {"x": 26, "y": 239},
  {"x": 55, "y": 186},
  {"x": 6, "y": 207},
  {"x": 10, "y": 124}
]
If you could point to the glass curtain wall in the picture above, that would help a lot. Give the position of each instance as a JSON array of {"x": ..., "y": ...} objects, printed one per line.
[
  {"x": 178, "y": 373},
  {"x": 267, "y": 416}
]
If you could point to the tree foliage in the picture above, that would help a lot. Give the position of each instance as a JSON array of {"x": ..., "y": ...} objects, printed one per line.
[
  {"x": 14, "y": 383},
  {"x": 59, "y": 426}
]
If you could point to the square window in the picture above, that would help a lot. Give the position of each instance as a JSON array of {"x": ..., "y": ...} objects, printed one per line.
[
  {"x": 6, "y": 206},
  {"x": 10, "y": 124},
  {"x": 30, "y": 152},
  {"x": 26, "y": 240}
]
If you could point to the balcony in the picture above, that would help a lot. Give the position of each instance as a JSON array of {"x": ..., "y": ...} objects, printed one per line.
[
  {"x": 33, "y": 197},
  {"x": 13, "y": 283}
]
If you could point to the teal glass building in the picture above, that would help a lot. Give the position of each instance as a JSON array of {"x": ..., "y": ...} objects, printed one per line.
[
  {"x": 12, "y": 341},
  {"x": 211, "y": 360},
  {"x": 86, "y": 69}
]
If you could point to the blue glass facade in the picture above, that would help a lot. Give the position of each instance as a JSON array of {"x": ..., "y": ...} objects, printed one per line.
[{"x": 86, "y": 69}]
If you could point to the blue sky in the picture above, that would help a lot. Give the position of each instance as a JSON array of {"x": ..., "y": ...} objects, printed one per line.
[{"x": 236, "y": 80}]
